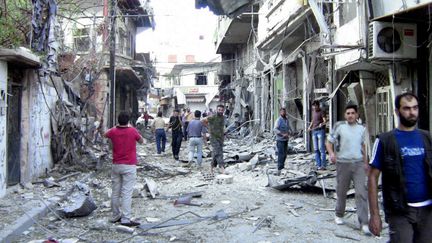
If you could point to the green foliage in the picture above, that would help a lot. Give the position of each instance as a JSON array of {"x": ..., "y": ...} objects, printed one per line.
[{"x": 15, "y": 23}]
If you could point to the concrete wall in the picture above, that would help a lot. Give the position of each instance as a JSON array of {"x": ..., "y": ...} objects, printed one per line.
[
  {"x": 274, "y": 15},
  {"x": 36, "y": 116},
  {"x": 348, "y": 34},
  {"x": 3, "y": 131},
  {"x": 385, "y": 7}
]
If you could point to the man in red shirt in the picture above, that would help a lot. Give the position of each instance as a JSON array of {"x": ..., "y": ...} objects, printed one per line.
[{"x": 123, "y": 175}]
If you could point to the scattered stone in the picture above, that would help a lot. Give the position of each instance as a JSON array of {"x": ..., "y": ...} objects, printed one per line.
[
  {"x": 151, "y": 187},
  {"x": 124, "y": 229},
  {"x": 79, "y": 203},
  {"x": 138, "y": 190},
  {"x": 100, "y": 224},
  {"x": 152, "y": 220},
  {"x": 224, "y": 179}
]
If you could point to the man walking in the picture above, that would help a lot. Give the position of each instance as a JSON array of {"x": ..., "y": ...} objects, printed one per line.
[
  {"x": 351, "y": 164},
  {"x": 404, "y": 158},
  {"x": 317, "y": 126},
  {"x": 177, "y": 136},
  {"x": 123, "y": 175},
  {"x": 158, "y": 128},
  {"x": 216, "y": 125},
  {"x": 196, "y": 132},
  {"x": 282, "y": 129},
  {"x": 146, "y": 118}
]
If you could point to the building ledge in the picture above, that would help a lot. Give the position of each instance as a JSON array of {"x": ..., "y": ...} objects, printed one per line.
[{"x": 20, "y": 56}]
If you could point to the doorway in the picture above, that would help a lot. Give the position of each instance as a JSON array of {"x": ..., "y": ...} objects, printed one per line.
[{"x": 14, "y": 135}]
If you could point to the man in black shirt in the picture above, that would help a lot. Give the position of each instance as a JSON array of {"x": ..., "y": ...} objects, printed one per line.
[{"x": 176, "y": 128}]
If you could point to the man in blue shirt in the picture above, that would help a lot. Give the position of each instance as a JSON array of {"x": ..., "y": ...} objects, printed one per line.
[
  {"x": 196, "y": 132},
  {"x": 282, "y": 129},
  {"x": 400, "y": 155}
]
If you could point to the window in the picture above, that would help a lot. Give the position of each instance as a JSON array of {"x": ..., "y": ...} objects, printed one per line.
[
  {"x": 81, "y": 39},
  {"x": 347, "y": 12},
  {"x": 201, "y": 79}
]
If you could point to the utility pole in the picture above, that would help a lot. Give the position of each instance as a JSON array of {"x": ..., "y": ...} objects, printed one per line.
[{"x": 112, "y": 72}]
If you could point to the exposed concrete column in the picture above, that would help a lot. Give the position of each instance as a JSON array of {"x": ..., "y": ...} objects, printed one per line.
[
  {"x": 257, "y": 101},
  {"x": 264, "y": 102},
  {"x": 305, "y": 102},
  {"x": 30, "y": 76},
  {"x": 3, "y": 121},
  {"x": 368, "y": 88}
]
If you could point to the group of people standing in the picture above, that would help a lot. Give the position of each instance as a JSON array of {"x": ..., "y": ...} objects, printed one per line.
[
  {"x": 403, "y": 156},
  {"x": 193, "y": 128}
]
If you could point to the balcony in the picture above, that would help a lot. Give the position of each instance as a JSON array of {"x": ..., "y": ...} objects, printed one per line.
[
  {"x": 235, "y": 31},
  {"x": 280, "y": 20}
]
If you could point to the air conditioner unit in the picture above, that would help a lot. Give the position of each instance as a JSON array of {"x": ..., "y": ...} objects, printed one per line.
[{"x": 389, "y": 40}]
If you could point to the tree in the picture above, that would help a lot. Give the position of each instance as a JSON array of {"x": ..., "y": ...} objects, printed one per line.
[{"x": 15, "y": 19}]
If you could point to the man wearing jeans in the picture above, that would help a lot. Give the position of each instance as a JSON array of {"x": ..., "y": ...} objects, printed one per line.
[
  {"x": 158, "y": 128},
  {"x": 196, "y": 132},
  {"x": 346, "y": 148},
  {"x": 123, "y": 175},
  {"x": 317, "y": 126},
  {"x": 282, "y": 129}
]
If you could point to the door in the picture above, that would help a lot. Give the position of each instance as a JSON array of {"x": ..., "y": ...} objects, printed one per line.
[{"x": 14, "y": 136}]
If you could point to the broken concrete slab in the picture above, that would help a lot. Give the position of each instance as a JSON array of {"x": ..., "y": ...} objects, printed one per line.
[
  {"x": 80, "y": 203},
  {"x": 224, "y": 179},
  {"x": 151, "y": 187}
]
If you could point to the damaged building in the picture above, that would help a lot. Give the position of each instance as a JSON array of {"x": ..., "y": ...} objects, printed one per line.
[
  {"x": 85, "y": 59},
  {"x": 279, "y": 53}
]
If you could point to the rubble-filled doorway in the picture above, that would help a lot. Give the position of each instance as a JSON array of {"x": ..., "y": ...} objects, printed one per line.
[{"x": 14, "y": 135}]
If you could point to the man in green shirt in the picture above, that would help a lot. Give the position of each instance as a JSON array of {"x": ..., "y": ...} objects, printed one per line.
[{"x": 216, "y": 125}]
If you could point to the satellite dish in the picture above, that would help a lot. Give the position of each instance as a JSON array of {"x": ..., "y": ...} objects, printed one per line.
[{"x": 389, "y": 40}]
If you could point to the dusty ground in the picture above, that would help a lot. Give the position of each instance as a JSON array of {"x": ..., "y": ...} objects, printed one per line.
[{"x": 251, "y": 206}]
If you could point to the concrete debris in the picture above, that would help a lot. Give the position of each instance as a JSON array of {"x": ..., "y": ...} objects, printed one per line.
[
  {"x": 185, "y": 200},
  {"x": 265, "y": 222},
  {"x": 80, "y": 203},
  {"x": 50, "y": 182},
  {"x": 124, "y": 229},
  {"x": 138, "y": 190},
  {"x": 224, "y": 179},
  {"x": 152, "y": 220},
  {"x": 151, "y": 187}
]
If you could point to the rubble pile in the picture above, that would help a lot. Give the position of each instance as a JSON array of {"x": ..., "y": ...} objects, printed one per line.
[{"x": 72, "y": 144}]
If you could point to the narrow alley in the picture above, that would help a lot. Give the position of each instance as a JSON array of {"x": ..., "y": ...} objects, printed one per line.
[{"x": 215, "y": 121}]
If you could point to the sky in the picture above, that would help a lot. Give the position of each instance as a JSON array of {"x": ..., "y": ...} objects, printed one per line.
[{"x": 180, "y": 29}]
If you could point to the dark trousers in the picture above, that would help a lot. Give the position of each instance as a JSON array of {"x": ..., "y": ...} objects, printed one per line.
[
  {"x": 160, "y": 140},
  {"x": 415, "y": 226},
  {"x": 282, "y": 151},
  {"x": 177, "y": 137},
  {"x": 185, "y": 133}
]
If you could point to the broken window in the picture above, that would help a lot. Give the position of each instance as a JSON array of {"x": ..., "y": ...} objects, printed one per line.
[
  {"x": 81, "y": 39},
  {"x": 201, "y": 79},
  {"x": 347, "y": 12}
]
